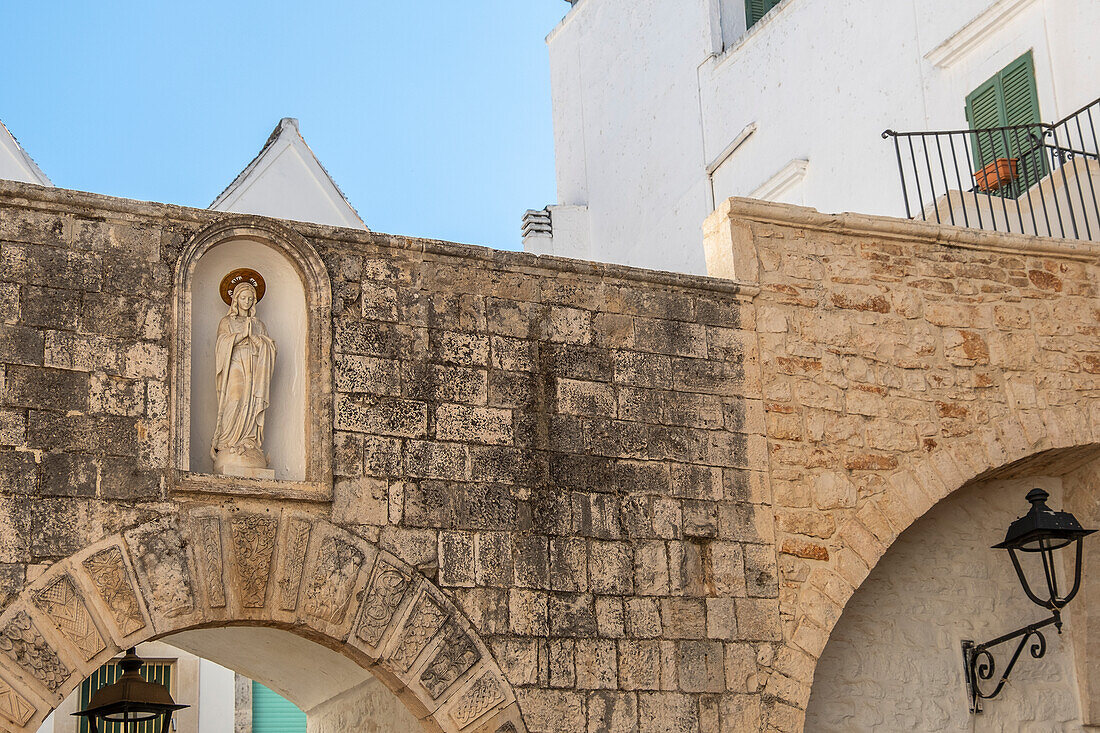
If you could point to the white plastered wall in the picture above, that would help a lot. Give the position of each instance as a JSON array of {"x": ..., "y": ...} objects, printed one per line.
[
  {"x": 894, "y": 661},
  {"x": 283, "y": 311},
  {"x": 648, "y": 95}
]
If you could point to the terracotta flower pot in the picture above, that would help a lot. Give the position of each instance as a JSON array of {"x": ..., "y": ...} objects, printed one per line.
[{"x": 998, "y": 173}]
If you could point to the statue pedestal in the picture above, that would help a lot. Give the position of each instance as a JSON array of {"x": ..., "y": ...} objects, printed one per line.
[{"x": 244, "y": 472}]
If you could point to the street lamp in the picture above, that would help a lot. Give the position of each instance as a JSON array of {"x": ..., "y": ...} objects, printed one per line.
[
  {"x": 131, "y": 700},
  {"x": 1041, "y": 531}
]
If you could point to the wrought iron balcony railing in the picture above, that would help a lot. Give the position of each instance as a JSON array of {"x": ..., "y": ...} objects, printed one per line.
[{"x": 1041, "y": 179}]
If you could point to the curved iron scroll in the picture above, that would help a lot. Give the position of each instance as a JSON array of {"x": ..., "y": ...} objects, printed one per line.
[{"x": 979, "y": 663}]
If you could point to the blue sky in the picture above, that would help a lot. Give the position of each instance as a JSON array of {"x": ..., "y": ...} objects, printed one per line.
[{"x": 433, "y": 116}]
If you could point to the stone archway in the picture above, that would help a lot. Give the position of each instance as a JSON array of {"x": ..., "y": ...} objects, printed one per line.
[
  {"x": 260, "y": 566},
  {"x": 1019, "y": 445}
]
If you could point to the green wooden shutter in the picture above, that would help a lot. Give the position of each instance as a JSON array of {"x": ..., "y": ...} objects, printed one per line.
[
  {"x": 757, "y": 9},
  {"x": 1021, "y": 107},
  {"x": 274, "y": 714},
  {"x": 1008, "y": 98},
  {"x": 1020, "y": 97},
  {"x": 983, "y": 111}
]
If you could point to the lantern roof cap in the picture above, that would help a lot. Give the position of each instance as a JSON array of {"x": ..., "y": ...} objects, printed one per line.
[
  {"x": 1041, "y": 523},
  {"x": 131, "y": 693}
]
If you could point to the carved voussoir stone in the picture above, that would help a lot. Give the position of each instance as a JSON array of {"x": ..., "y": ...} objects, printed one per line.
[
  {"x": 253, "y": 547},
  {"x": 208, "y": 540},
  {"x": 110, "y": 575},
  {"x": 160, "y": 559},
  {"x": 387, "y": 589},
  {"x": 478, "y": 699},
  {"x": 23, "y": 643},
  {"x": 63, "y": 604},
  {"x": 14, "y": 706},
  {"x": 421, "y": 625},
  {"x": 454, "y": 656},
  {"x": 294, "y": 549},
  {"x": 335, "y": 572}
]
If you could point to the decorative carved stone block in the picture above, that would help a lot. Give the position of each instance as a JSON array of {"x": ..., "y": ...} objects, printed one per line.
[
  {"x": 478, "y": 700},
  {"x": 333, "y": 580},
  {"x": 64, "y": 605},
  {"x": 21, "y": 640},
  {"x": 159, "y": 553},
  {"x": 108, "y": 572},
  {"x": 456, "y": 654},
  {"x": 297, "y": 542},
  {"x": 422, "y": 624},
  {"x": 254, "y": 546},
  {"x": 14, "y": 706},
  {"x": 209, "y": 532},
  {"x": 383, "y": 597}
]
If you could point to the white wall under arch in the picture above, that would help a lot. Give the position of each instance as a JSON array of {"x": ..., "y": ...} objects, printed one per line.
[
  {"x": 283, "y": 311},
  {"x": 893, "y": 661}
]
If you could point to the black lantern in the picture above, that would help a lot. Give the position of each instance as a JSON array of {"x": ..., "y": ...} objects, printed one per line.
[
  {"x": 131, "y": 700},
  {"x": 1044, "y": 532}
]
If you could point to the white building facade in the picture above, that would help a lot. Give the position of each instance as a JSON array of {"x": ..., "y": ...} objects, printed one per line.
[{"x": 662, "y": 109}]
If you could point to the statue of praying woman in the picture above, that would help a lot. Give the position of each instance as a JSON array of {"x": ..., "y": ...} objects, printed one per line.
[{"x": 245, "y": 358}]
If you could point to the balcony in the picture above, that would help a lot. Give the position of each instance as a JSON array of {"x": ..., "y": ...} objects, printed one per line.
[{"x": 1041, "y": 179}]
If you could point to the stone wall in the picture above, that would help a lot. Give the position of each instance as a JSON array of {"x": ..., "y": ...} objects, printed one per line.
[
  {"x": 649, "y": 495},
  {"x": 900, "y": 361}
]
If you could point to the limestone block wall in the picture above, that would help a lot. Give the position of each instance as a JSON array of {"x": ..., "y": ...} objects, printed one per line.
[
  {"x": 900, "y": 361},
  {"x": 562, "y": 496},
  {"x": 564, "y": 449}
]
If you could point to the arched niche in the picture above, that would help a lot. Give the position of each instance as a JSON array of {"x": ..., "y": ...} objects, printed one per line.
[{"x": 295, "y": 309}]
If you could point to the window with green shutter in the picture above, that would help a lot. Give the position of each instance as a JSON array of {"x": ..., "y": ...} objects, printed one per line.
[
  {"x": 757, "y": 9},
  {"x": 108, "y": 674},
  {"x": 1008, "y": 99},
  {"x": 272, "y": 713}
]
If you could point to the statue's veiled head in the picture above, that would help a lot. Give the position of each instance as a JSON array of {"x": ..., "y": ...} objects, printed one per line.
[{"x": 244, "y": 300}]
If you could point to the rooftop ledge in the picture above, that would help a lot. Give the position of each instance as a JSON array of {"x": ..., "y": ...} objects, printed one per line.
[
  {"x": 66, "y": 201},
  {"x": 893, "y": 228}
]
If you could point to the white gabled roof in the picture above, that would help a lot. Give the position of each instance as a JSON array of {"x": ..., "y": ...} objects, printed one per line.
[
  {"x": 15, "y": 164},
  {"x": 288, "y": 182}
]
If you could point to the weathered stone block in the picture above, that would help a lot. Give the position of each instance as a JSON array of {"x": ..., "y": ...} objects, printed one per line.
[
  {"x": 562, "y": 671},
  {"x": 612, "y": 712},
  {"x": 572, "y": 615},
  {"x": 358, "y": 373},
  {"x": 47, "y": 389},
  {"x": 380, "y": 415},
  {"x": 651, "y": 569},
  {"x": 488, "y": 425},
  {"x": 683, "y": 618},
  {"x": 360, "y": 500},
  {"x": 639, "y": 665},
  {"x": 667, "y": 712},
  {"x": 528, "y": 612},
  {"x": 701, "y": 666},
  {"x": 596, "y": 664},
  {"x": 530, "y": 556},
  {"x": 21, "y": 345},
  {"x": 457, "y": 559},
  {"x": 425, "y": 459},
  {"x": 494, "y": 559},
  {"x": 610, "y": 568}
]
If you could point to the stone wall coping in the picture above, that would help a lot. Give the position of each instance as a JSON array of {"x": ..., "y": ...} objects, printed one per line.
[
  {"x": 60, "y": 200},
  {"x": 887, "y": 227}
]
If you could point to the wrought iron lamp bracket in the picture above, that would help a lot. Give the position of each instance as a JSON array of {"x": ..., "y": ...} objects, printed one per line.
[{"x": 979, "y": 664}]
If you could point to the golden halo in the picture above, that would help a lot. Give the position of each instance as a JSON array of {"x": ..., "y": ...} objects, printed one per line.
[{"x": 238, "y": 276}]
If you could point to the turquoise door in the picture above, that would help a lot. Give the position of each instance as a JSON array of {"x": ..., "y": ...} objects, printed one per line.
[{"x": 274, "y": 714}]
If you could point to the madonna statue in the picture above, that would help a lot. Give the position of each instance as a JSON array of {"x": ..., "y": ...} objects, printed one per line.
[{"x": 245, "y": 357}]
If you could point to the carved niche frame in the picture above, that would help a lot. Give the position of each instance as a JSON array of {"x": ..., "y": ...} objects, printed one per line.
[{"x": 318, "y": 361}]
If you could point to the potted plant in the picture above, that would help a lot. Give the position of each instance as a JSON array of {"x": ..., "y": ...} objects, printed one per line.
[{"x": 996, "y": 174}]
